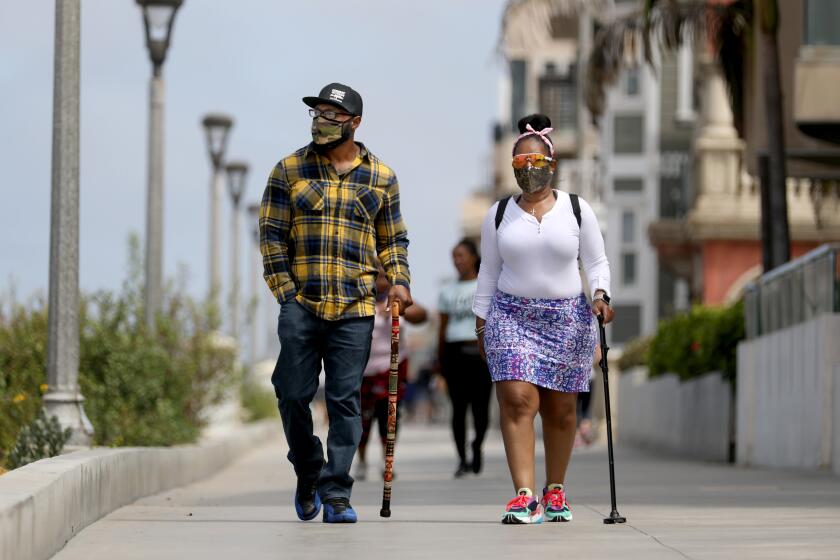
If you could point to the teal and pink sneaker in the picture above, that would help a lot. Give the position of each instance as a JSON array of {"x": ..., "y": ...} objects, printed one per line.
[
  {"x": 523, "y": 509},
  {"x": 554, "y": 503}
]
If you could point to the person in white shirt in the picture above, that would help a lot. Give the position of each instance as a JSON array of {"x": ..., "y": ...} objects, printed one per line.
[
  {"x": 459, "y": 361},
  {"x": 534, "y": 324}
]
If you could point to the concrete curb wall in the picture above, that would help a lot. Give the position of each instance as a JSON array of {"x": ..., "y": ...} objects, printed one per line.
[
  {"x": 46, "y": 503},
  {"x": 787, "y": 397},
  {"x": 692, "y": 418}
]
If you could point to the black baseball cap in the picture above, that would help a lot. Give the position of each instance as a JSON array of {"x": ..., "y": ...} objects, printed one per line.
[{"x": 339, "y": 95}]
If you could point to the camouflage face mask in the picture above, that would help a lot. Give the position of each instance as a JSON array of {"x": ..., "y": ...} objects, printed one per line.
[
  {"x": 533, "y": 179},
  {"x": 328, "y": 134}
]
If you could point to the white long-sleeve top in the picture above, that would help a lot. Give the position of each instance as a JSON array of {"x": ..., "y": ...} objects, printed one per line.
[{"x": 526, "y": 258}]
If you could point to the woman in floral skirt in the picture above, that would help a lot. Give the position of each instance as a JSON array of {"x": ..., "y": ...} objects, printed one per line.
[{"x": 534, "y": 324}]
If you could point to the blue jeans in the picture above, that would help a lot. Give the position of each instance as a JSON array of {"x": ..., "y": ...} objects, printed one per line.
[{"x": 344, "y": 347}]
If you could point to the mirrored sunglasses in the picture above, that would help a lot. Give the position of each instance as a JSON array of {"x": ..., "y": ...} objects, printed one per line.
[{"x": 538, "y": 161}]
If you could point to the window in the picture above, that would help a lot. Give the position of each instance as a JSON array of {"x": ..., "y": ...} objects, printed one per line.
[
  {"x": 631, "y": 82},
  {"x": 672, "y": 203},
  {"x": 627, "y": 324},
  {"x": 628, "y": 130},
  {"x": 628, "y": 184},
  {"x": 628, "y": 226},
  {"x": 518, "y": 72},
  {"x": 821, "y": 22},
  {"x": 628, "y": 269},
  {"x": 673, "y": 184},
  {"x": 558, "y": 100}
]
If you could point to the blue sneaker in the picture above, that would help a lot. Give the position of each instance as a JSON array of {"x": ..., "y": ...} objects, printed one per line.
[
  {"x": 307, "y": 501},
  {"x": 339, "y": 510}
]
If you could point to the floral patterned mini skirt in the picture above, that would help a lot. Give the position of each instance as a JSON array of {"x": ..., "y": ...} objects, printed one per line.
[{"x": 547, "y": 342}]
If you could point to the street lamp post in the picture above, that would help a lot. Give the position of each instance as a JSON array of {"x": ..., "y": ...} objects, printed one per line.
[
  {"x": 217, "y": 128},
  {"x": 255, "y": 266},
  {"x": 237, "y": 173},
  {"x": 158, "y": 18},
  {"x": 63, "y": 398}
]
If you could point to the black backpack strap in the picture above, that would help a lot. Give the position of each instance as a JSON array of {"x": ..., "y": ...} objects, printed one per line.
[
  {"x": 575, "y": 209},
  {"x": 500, "y": 210}
]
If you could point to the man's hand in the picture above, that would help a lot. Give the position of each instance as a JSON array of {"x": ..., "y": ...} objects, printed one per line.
[{"x": 400, "y": 294}]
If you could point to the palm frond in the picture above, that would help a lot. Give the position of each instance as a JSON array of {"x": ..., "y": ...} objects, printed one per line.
[
  {"x": 664, "y": 26},
  {"x": 733, "y": 36}
]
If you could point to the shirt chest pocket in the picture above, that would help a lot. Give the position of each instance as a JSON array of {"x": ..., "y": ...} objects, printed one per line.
[
  {"x": 366, "y": 204},
  {"x": 308, "y": 196}
]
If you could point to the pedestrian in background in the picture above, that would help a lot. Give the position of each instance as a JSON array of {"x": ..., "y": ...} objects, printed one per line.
[
  {"x": 329, "y": 211},
  {"x": 534, "y": 323},
  {"x": 465, "y": 371},
  {"x": 374, "y": 392}
]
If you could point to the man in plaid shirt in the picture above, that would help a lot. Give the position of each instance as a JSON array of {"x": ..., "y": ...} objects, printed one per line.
[{"x": 328, "y": 212}]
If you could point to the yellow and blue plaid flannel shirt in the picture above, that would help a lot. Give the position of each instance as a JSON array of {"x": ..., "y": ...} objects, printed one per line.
[{"x": 320, "y": 233}]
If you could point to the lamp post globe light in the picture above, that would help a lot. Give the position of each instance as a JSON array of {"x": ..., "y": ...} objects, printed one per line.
[
  {"x": 158, "y": 19},
  {"x": 217, "y": 128},
  {"x": 237, "y": 173}
]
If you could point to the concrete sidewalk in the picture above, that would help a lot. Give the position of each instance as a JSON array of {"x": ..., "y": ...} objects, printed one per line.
[{"x": 675, "y": 509}]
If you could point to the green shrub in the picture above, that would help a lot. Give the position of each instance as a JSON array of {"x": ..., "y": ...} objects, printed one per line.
[
  {"x": 23, "y": 342},
  {"x": 694, "y": 343},
  {"x": 140, "y": 387},
  {"x": 258, "y": 402},
  {"x": 149, "y": 388},
  {"x": 635, "y": 353},
  {"x": 133, "y": 394},
  {"x": 41, "y": 439}
]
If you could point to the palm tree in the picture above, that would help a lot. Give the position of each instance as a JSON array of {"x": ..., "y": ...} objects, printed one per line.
[
  {"x": 663, "y": 26},
  {"x": 774, "y": 196}
]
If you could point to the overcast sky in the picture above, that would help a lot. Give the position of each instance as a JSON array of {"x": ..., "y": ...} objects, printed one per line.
[{"x": 427, "y": 71}]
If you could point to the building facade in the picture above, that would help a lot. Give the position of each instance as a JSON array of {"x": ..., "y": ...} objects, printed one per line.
[{"x": 716, "y": 247}]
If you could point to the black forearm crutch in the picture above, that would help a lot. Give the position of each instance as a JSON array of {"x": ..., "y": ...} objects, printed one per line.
[
  {"x": 614, "y": 515},
  {"x": 393, "y": 383}
]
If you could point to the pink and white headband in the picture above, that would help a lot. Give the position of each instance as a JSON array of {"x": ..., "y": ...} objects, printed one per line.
[{"x": 542, "y": 134}]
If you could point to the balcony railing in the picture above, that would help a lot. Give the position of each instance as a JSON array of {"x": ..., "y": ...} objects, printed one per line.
[{"x": 794, "y": 292}]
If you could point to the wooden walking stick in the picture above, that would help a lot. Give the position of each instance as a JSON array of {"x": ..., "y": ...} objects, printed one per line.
[{"x": 393, "y": 383}]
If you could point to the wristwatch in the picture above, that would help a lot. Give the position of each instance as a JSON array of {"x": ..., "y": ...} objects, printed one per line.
[{"x": 603, "y": 297}]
